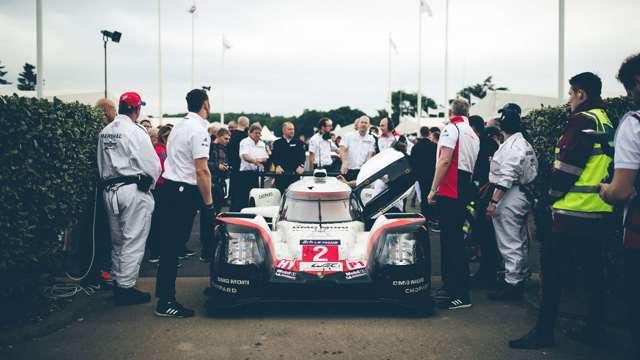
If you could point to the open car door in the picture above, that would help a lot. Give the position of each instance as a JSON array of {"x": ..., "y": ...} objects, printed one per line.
[{"x": 390, "y": 175}]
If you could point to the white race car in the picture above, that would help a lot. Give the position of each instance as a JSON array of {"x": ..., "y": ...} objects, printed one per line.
[{"x": 323, "y": 241}]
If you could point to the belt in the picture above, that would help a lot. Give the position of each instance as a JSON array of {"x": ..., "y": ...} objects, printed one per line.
[{"x": 120, "y": 180}]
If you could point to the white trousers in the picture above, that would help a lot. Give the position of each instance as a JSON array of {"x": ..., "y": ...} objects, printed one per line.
[
  {"x": 511, "y": 235},
  {"x": 129, "y": 211}
]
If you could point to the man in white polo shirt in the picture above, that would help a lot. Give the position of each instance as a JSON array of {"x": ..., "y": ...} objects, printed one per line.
[
  {"x": 320, "y": 146},
  {"x": 253, "y": 155},
  {"x": 357, "y": 147},
  {"x": 452, "y": 189},
  {"x": 187, "y": 187}
]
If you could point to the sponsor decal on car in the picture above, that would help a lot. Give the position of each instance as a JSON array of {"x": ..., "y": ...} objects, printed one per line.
[
  {"x": 417, "y": 281},
  {"x": 226, "y": 289},
  {"x": 355, "y": 274},
  {"x": 320, "y": 266},
  {"x": 233, "y": 281},
  {"x": 285, "y": 264},
  {"x": 285, "y": 274},
  {"x": 416, "y": 289},
  {"x": 319, "y": 242},
  {"x": 355, "y": 264}
]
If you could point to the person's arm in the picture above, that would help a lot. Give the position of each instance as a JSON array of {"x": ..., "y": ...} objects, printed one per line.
[
  {"x": 312, "y": 153},
  {"x": 203, "y": 180},
  {"x": 621, "y": 189},
  {"x": 344, "y": 157},
  {"x": 300, "y": 157},
  {"x": 442, "y": 166}
]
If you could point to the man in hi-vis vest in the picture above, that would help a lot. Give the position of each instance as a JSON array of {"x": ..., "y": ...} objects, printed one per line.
[{"x": 580, "y": 216}]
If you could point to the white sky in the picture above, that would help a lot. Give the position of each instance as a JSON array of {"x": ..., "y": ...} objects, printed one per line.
[{"x": 289, "y": 55}]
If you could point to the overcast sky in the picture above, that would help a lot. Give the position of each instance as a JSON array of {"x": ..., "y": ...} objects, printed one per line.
[{"x": 289, "y": 55}]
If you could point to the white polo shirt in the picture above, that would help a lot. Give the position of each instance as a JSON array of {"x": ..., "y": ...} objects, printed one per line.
[
  {"x": 321, "y": 149},
  {"x": 468, "y": 147},
  {"x": 189, "y": 140},
  {"x": 358, "y": 148},
  {"x": 256, "y": 150},
  {"x": 385, "y": 142}
]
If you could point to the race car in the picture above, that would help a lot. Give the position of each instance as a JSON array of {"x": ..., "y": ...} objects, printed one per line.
[{"x": 324, "y": 241}]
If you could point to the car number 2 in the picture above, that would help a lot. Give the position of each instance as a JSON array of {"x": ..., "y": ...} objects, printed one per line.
[{"x": 320, "y": 253}]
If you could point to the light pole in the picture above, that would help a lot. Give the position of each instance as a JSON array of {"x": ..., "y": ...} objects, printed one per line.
[
  {"x": 192, "y": 11},
  {"x": 115, "y": 37},
  {"x": 39, "y": 56},
  {"x": 561, "y": 50},
  {"x": 424, "y": 8}
]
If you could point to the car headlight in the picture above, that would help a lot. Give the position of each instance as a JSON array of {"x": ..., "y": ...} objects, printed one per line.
[
  {"x": 242, "y": 249},
  {"x": 399, "y": 249}
]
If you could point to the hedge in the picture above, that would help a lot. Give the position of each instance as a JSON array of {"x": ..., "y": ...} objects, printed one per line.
[
  {"x": 544, "y": 128},
  {"x": 47, "y": 175}
]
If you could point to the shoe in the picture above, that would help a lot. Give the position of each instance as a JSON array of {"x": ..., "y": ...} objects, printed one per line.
[
  {"x": 434, "y": 226},
  {"x": 534, "y": 339},
  {"x": 173, "y": 309},
  {"x": 441, "y": 294},
  {"x": 583, "y": 335},
  {"x": 508, "y": 292},
  {"x": 130, "y": 296},
  {"x": 187, "y": 253},
  {"x": 455, "y": 303},
  {"x": 105, "y": 278},
  {"x": 153, "y": 259}
]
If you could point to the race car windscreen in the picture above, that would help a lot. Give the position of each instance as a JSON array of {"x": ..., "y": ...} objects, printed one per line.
[{"x": 316, "y": 211}]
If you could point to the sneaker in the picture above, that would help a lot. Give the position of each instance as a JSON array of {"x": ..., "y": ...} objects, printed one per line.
[
  {"x": 153, "y": 259},
  {"x": 130, "y": 296},
  {"x": 434, "y": 226},
  {"x": 173, "y": 309},
  {"x": 508, "y": 292},
  {"x": 105, "y": 278},
  {"x": 455, "y": 303},
  {"x": 187, "y": 253},
  {"x": 533, "y": 340}
]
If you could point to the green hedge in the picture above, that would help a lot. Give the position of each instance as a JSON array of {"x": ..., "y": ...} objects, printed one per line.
[
  {"x": 47, "y": 174},
  {"x": 544, "y": 127}
]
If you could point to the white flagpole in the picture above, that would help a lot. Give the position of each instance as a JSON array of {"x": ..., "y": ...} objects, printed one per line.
[
  {"x": 159, "y": 67},
  {"x": 446, "y": 55},
  {"x": 193, "y": 52},
  {"x": 39, "y": 57},
  {"x": 561, "y": 50},
  {"x": 419, "y": 102},
  {"x": 389, "y": 94},
  {"x": 222, "y": 84}
]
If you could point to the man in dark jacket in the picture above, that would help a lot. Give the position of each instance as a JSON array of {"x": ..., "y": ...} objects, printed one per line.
[
  {"x": 288, "y": 157},
  {"x": 423, "y": 161},
  {"x": 233, "y": 151},
  {"x": 580, "y": 216}
]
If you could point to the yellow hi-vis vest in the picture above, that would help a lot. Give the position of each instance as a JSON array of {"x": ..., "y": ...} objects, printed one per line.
[{"x": 583, "y": 199}]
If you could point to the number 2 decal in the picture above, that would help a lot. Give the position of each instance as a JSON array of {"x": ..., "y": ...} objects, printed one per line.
[{"x": 320, "y": 251}]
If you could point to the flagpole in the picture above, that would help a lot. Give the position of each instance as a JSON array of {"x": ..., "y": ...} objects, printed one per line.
[
  {"x": 561, "y": 50},
  {"x": 160, "y": 121},
  {"x": 389, "y": 79},
  {"x": 419, "y": 102},
  {"x": 193, "y": 32},
  {"x": 446, "y": 54},
  {"x": 39, "y": 56},
  {"x": 222, "y": 84}
]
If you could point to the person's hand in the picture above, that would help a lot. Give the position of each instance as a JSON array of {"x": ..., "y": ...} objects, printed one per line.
[
  {"x": 210, "y": 212},
  {"x": 279, "y": 170},
  {"x": 222, "y": 167},
  {"x": 491, "y": 210},
  {"x": 299, "y": 170},
  {"x": 603, "y": 191},
  {"x": 431, "y": 198},
  {"x": 344, "y": 169},
  {"x": 257, "y": 162}
]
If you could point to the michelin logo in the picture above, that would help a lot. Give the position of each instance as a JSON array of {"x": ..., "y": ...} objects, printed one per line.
[{"x": 286, "y": 274}]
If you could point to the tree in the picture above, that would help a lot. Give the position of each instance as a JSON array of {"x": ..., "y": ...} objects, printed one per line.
[
  {"x": 403, "y": 103},
  {"x": 27, "y": 78},
  {"x": 480, "y": 90},
  {"x": 2, "y": 74}
]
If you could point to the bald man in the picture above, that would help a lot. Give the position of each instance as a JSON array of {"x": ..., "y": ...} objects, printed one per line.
[{"x": 108, "y": 108}]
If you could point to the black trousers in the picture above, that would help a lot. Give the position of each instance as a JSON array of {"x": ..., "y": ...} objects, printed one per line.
[
  {"x": 283, "y": 182},
  {"x": 455, "y": 265},
  {"x": 243, "y": 183},
  {"x": 178, "y": 207},
  {"x": 351, "y": 174},
  {"x": 556, "y": 251},
  {"x": 153, "y": 243},
  {"x": 429, "y": 212},
  {"x": 484, "y": 233},
  {"x": 632, "y": 285}
]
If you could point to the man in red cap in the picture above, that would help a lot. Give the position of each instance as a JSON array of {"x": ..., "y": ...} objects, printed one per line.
[{"x": 128, "y": 168}]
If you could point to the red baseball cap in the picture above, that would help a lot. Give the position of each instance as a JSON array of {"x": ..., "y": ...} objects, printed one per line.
[{"x": 132, "y": 99}]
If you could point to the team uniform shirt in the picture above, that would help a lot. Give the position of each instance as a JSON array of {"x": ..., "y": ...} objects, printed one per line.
[
  {"x": 125, "y": 149},
  {"x": 321, "y": 149},
  {"x": 460, "y": 137},
  {"x": 256, "y": 150},
  {"x": 627, "y": 143},
  {"x": 358, "y": 149},
  {"x": 513, "y": 163},
  {"x": 385, "y": 141},
  {"x": 189, "y": 140}
]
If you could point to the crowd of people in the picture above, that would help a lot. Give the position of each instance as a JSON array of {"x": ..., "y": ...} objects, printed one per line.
[{"x": 150, "y": 175}]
